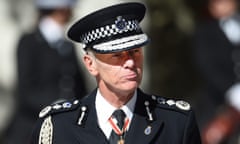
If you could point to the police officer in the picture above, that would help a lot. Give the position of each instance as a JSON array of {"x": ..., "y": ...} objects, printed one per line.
[
  {"x": 117, "y": 111},
  {"x": 48, "y": 68}
]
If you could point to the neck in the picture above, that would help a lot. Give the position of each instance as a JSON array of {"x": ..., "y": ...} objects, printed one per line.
[{"x": 116, "y": 99}]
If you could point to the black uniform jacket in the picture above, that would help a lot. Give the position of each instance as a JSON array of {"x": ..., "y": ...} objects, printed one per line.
[
  {"x": 46, "y": 73},
  {"x": 214, "y": 55},
  {"x": 165, "y": 123}
]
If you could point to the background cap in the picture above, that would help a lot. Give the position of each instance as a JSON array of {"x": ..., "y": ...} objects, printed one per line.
[
  {"x": 50, "y": 4},
  {"x": 111, "y": 29}
]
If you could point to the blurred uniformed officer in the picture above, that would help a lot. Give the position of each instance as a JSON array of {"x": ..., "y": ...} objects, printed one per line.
[
  {"x": 217, "y": 52},
  {"x": 48, "y": 67},
  {"x": 117, "y": 111}
]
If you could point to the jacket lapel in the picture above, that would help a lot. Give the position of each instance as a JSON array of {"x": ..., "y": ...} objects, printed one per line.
[
  {"x": 90, "y": 132},
  {"x": 143, "y": 131}
]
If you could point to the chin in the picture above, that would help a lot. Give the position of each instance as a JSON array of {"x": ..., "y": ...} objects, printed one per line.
[{"x": 131, "y": 86}]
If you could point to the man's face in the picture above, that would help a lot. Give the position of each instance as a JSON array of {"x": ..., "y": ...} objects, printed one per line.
[
  {"x": 120, "y": 71},
  {"x": 64, "y": 14},
  {"x": 222, "y": 8}
]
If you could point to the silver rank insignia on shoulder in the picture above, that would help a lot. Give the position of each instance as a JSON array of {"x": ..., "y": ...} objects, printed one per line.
[
  {"x": 183, "y": 105},
  {"x": 45, "y": 111},
  {"x": 57, "y": 107},
  {"x": 170, "y": 102},
  {"x": 67, "y": 105}
]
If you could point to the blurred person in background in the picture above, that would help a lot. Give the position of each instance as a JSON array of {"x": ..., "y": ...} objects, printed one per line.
[
  {"x": 47, "y": 66},
  {"x": 217, "y": 53}
]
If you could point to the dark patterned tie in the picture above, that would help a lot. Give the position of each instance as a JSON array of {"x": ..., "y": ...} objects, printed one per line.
[{"x": 119, "y": 115}]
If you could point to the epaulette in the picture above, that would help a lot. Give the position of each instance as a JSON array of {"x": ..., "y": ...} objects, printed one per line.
[
  {"x": 171, "y": 103},
  {"x": 46, "y": 131},
  {"x": 59, "y": 107}
]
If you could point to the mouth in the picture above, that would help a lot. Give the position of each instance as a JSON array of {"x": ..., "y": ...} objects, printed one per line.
[{"x": 132, "y": 76}]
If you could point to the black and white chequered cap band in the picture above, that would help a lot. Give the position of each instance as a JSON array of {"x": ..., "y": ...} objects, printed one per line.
[{"x": 120, "y": 26}]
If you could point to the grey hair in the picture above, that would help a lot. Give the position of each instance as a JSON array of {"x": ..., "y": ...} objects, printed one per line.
[{"x": 90, "y": 52}]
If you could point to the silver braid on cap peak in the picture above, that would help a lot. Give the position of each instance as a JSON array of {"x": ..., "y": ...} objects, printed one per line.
[{"x": 122, "y": 43}]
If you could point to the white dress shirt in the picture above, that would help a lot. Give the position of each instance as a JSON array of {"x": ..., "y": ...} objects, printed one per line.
[
  {"x": 51, "y": 30},
  {"x": 233, "y": 96},
  {"x": 231, "y": 28},
  {"x": 105, "y": 110}
]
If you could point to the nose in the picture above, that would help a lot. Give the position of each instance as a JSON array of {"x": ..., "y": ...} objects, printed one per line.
[
  {"x": 129, "y": 63},
  {"x": 129, "y": 60}
]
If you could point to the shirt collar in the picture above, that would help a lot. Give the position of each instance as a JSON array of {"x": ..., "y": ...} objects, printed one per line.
[
  {"x": 105, "y": 109},
  {"x": 231, "y": 28}
]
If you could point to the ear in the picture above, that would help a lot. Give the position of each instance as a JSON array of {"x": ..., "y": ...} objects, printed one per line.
[{"x": 90, "y": 64}]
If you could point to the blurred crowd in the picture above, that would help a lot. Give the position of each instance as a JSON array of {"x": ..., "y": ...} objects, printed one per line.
[{"x": 39, "y": 66}]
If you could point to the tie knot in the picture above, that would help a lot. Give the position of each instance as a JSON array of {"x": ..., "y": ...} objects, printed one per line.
[{"x": 119, "y": 115}]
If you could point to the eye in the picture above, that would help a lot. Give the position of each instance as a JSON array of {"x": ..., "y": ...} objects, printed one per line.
[
  {"x": 117, "y": 55},
  {"x": 135, "y": 52}
]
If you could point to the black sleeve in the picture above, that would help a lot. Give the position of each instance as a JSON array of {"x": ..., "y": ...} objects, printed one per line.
[
  {"x": 191, "y": 132},
  {"x": 28, "y": 72},
  {"x": 35, "y": 132}
]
